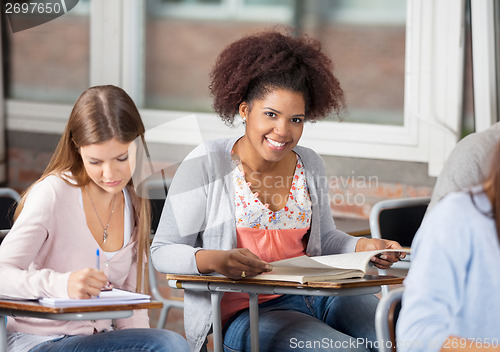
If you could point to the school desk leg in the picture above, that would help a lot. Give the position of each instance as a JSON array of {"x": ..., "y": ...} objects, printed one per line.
[
  {"x": 254, "y": 321},
  {"x": 3, "y": 333},
  {"x": 216, "y": 321}
]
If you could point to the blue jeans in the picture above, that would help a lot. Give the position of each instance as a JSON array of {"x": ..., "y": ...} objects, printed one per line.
[
  {"x": 308, "y": 323},
  {"x": 127, "y": 340}
]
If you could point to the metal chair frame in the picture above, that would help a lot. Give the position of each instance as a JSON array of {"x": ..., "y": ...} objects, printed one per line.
[
  {"x": 402, "y": 208},
  {"x": 385, "y": 320}
]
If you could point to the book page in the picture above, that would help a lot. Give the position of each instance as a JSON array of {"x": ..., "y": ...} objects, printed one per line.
[
  {"x": 355, "y": 260},
  {"x": 283, "y": 270},
  {"x": 112, "y": 297},
  {"x": 300, "y": 262},
  {"x": 307, "y": 275}
]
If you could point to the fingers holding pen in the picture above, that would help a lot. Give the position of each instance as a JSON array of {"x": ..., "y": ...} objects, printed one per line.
[{"x": 86, "y": 283}]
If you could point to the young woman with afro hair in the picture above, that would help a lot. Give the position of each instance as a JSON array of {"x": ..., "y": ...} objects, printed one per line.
[{"x": 235, "y": 205}]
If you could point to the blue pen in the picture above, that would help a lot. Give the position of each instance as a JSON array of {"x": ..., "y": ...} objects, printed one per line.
[{"x": 98, "y": 260}]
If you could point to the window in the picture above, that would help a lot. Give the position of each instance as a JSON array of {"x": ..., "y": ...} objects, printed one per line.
[
  {"x": 431, "y": 93},
  {"x": 409, "y": 108},
  {"x": 49, "y": 62},
  {"x": 183, "y": 39},
  {"x": 365, "y": 41}
]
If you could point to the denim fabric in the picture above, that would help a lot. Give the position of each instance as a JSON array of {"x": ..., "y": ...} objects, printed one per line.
[
  {"x": 308, "y": 323},
  {"x": 127, "y": 340}
]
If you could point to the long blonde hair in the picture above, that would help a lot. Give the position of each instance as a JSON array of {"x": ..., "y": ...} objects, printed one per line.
[{"x": 99, "y": 114}]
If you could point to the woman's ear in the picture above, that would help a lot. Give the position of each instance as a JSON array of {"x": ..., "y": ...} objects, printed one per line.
[{"x": 243, "y": 110}]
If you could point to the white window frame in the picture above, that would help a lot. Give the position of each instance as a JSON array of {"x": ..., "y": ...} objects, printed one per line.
[
  {"x": 484, "y": 61},
  {"x": 433, "y": 87},
  {"x": 226, "y": 9}
]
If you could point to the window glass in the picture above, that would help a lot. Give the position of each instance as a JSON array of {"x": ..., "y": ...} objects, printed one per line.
[
  {"x": 49, "y": 62},
  {"x": 366, "y": 41}
]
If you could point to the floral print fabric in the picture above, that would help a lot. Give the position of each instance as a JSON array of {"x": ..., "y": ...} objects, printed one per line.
[{"x": 251, "y": 213}]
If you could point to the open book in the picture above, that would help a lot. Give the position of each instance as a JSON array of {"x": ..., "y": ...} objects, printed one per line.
[
  {"x": 323, "y": 268},
  {"x": 111, "y": 297}
]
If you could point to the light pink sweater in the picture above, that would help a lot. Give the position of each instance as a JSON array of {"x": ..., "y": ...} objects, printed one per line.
[{"x": 49, "y": 240}]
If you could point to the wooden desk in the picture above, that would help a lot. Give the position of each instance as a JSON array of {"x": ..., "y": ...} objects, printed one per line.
[
  {"x": 217, "y": 285},
  {"x": 34, "y": 309}
]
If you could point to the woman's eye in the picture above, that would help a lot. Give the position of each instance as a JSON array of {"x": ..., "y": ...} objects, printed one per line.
[
  {"x": 297, "y": 120},
  {"x": 125, "y": 158},
  {"x": 270, "y": 114},
  {"x": 93, "y": 162}
]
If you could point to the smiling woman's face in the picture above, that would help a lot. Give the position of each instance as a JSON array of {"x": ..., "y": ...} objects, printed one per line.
[
  {"x": 109, "y": 164},
  {"x": 274, "y": 124}
]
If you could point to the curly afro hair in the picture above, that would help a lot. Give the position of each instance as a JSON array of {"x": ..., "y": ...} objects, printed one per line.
[{"x": 258, "y": 64}]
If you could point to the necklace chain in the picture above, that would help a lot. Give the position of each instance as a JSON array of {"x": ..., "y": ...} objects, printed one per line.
[{"x": 105, "y": 228}]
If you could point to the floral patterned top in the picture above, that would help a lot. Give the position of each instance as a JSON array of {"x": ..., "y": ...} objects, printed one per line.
[
  {"x": 251, "y": 213},
  {"x": 271, "y": 235}
]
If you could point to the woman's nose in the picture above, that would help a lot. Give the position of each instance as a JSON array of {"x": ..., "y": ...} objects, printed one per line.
[
  {"x": 281, "y": 128},
  {"x": 107, "y": 171}
]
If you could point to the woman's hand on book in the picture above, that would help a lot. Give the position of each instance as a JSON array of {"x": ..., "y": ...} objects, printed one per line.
[
  {"x": 86, "y": 283},
  {"x": 234, "y": 263},
  {"x": 385, "y": 260}
]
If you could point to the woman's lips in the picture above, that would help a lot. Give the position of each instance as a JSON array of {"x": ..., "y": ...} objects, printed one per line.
[{"x": 275, "y": 144}]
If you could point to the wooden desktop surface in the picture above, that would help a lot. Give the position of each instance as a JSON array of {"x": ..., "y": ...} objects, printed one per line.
[
  {"x": 34, "y": 306},
  {"x": 217, "y": 285},
  {"x": 367, "y": 280},
  {"x": 354, "y": 227}
]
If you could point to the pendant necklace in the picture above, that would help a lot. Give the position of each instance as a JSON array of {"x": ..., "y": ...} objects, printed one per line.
[{"x": 105, "y": 228}]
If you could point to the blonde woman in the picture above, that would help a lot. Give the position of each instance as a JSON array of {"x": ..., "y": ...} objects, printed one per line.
[{"x": 84, "y": 201}]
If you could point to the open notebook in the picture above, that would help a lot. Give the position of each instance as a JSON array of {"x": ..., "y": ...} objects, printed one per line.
[{"x": 112, "y": 297}]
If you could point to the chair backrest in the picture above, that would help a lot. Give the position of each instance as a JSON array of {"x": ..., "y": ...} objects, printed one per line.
[
  {"x": 8, "y": 199},
  {"x": 156, "y": 190},
  {"x": 3, "y": 233},
  {"x": 386, "y": 318},
  {"x": 398, "y": 219}
]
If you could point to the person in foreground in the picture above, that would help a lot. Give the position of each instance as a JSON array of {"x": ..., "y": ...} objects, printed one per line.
[
  {"x": 84, "y": 201},
  {"x": 450, "y": 301},
  {"x": 237, "y": 204}
]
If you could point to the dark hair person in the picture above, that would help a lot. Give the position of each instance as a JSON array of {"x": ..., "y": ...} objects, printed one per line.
[
  {"x": 84, "y": 202},
  {"x": 235, "y": 205}
]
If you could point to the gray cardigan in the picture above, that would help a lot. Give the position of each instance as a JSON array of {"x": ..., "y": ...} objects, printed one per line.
[{"x": 199, "y": 214}]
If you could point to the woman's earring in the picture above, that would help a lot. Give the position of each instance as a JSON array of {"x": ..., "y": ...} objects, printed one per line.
[{"x": 244, "y": 119}]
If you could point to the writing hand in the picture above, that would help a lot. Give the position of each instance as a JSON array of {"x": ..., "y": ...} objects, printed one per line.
[
  {"x": 231, "y": 263},
  {"x": 85, "y": 283},
  {"x": 385, "y": 260}
]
